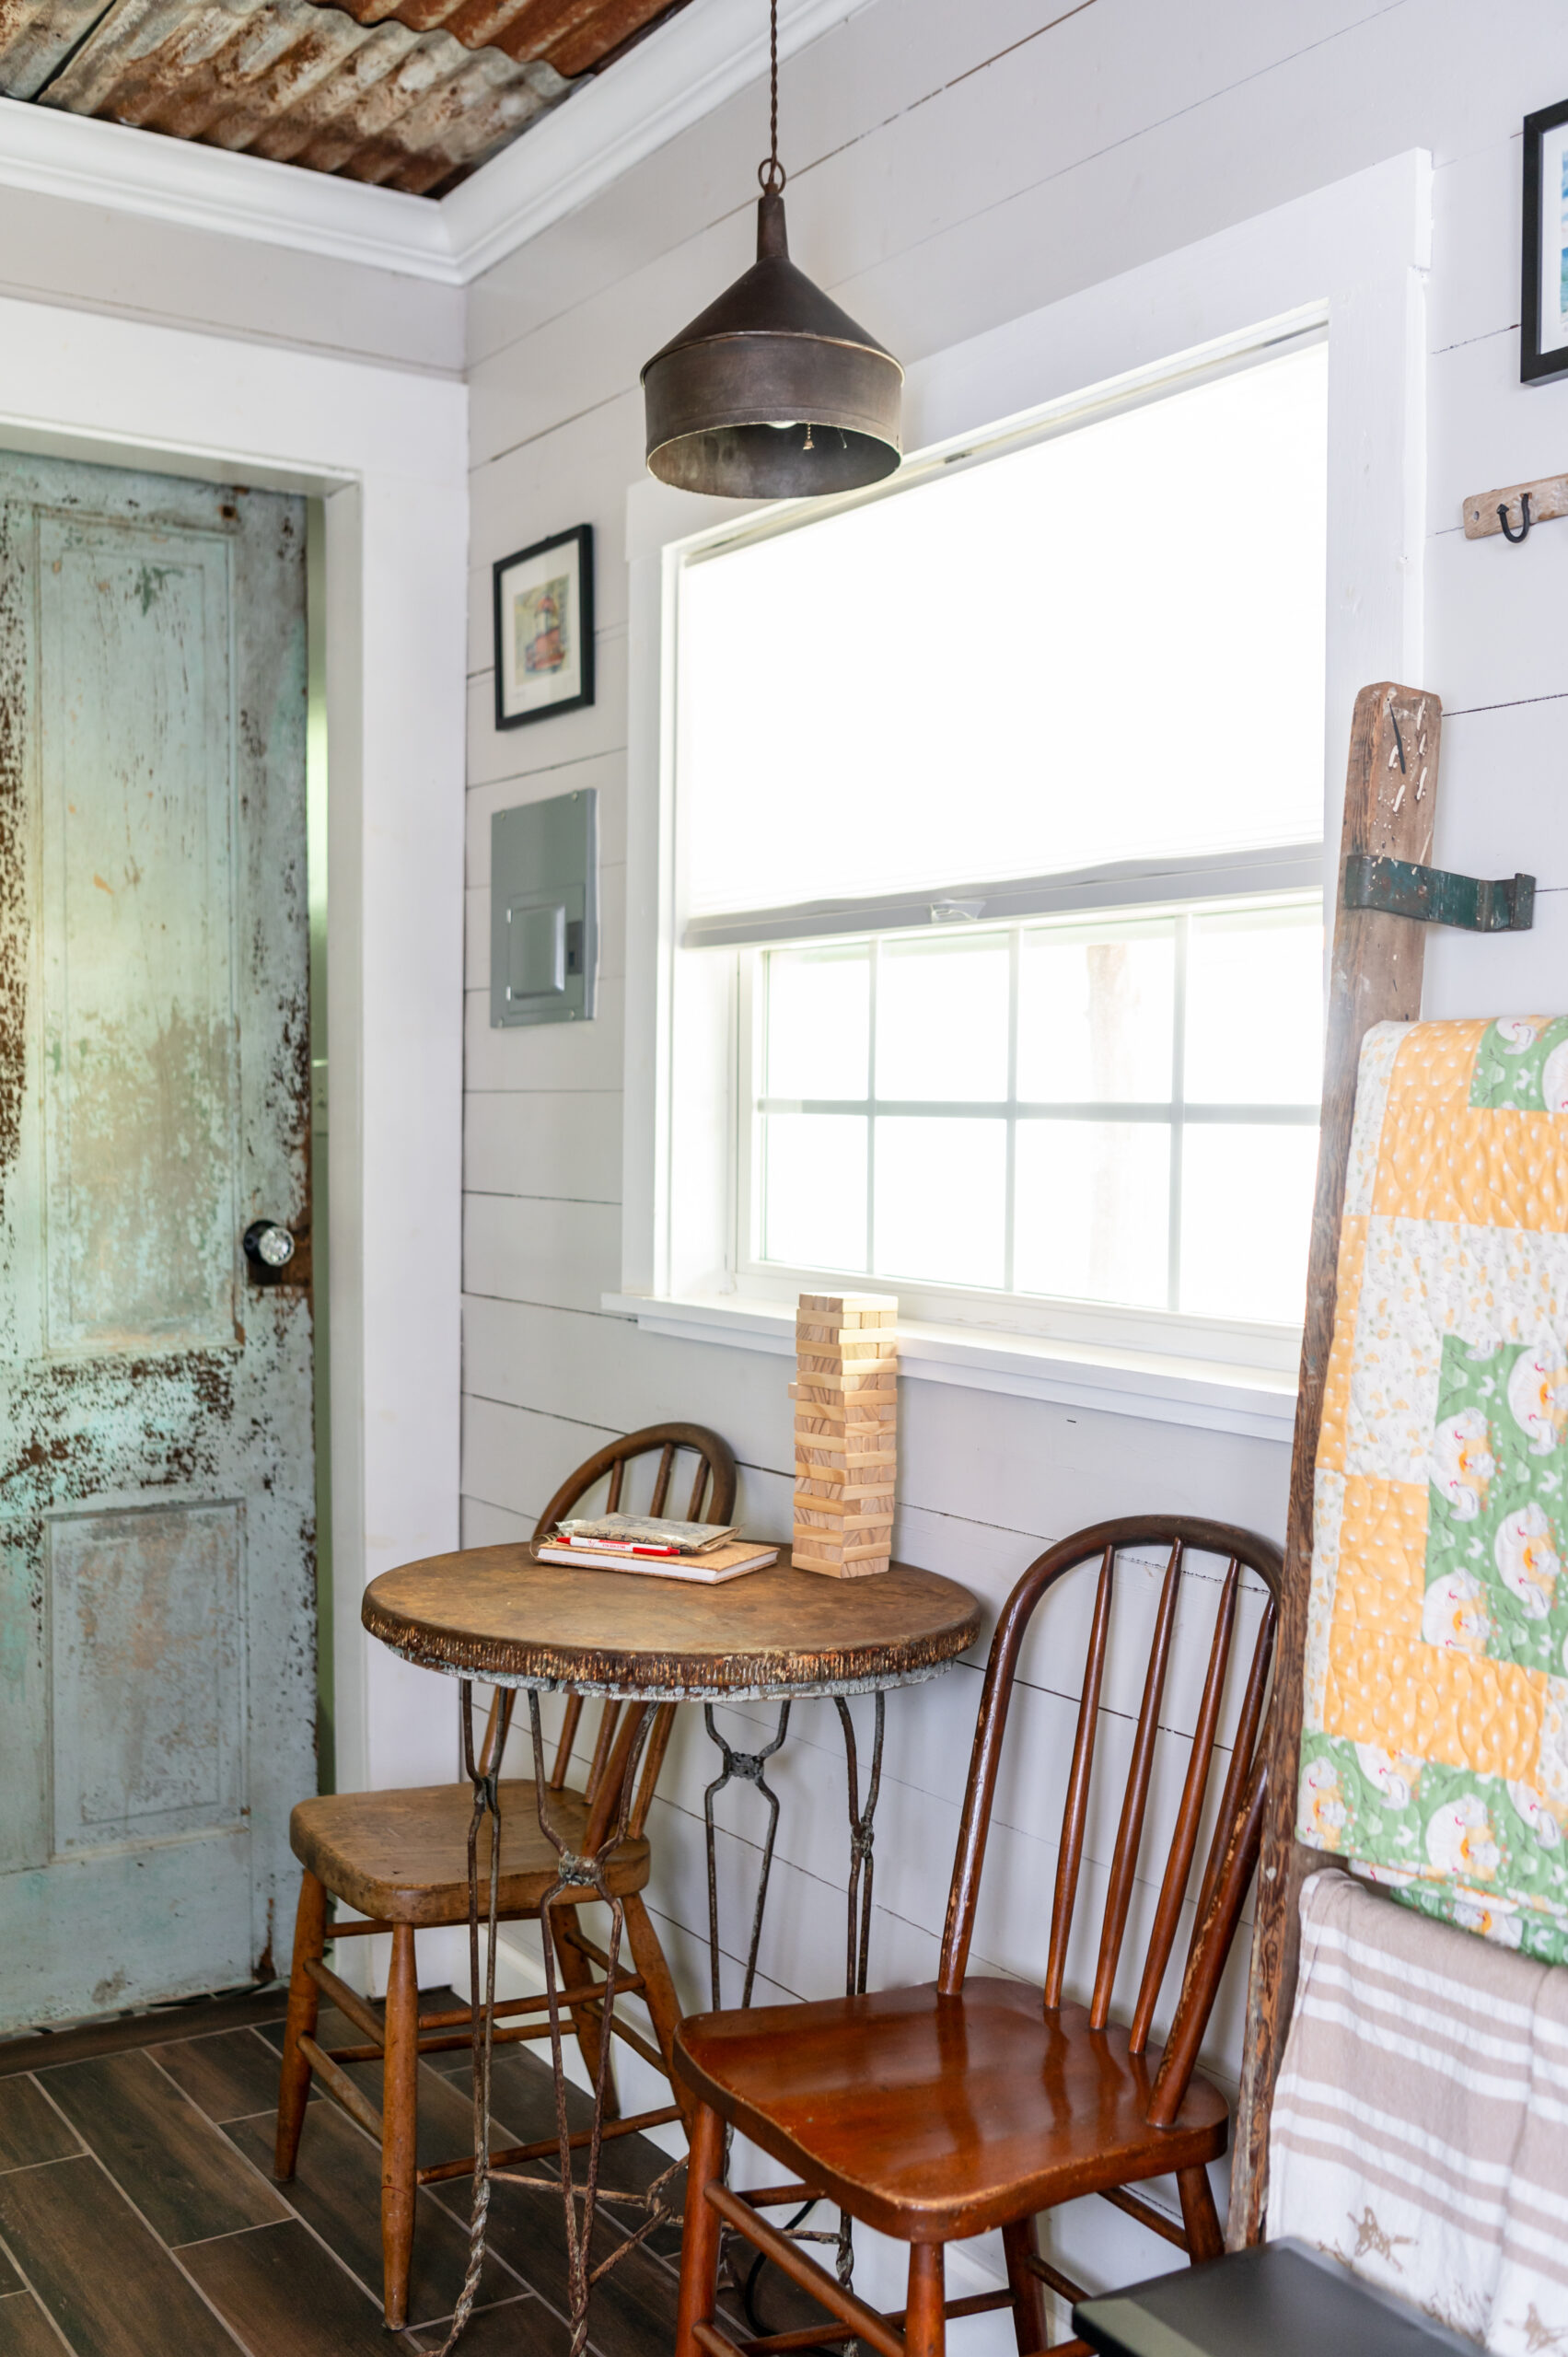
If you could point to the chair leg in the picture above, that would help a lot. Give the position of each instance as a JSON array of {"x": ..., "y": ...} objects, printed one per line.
[
  {"x": 658, "y": 1994},
  {"x": 303, "y": 2005},
  {"x": 1019, "y": 2245},
  {"x": 925, "y": 2326},
  {"x": 1198, "y": 2215},
  {"x": 700, "y": 2241},
  {"x": 400, "y": 2126},
  {"x": 589, "y": 2021}
]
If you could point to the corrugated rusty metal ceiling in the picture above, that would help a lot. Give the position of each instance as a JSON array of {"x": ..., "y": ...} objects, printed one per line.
[{"x": 409, "y": 94}]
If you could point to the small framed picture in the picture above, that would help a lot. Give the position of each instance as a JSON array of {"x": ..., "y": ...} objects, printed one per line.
[
  {"x": 544, "y": 629},
  {"x": 1543, "y": 317}
]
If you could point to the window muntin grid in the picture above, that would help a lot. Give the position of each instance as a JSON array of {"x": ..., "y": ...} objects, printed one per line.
[{"x": 1118, "y": 1112}]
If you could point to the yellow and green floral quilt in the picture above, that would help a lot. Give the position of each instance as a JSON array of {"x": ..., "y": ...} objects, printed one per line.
[{"x": 1434, "y": 1750}]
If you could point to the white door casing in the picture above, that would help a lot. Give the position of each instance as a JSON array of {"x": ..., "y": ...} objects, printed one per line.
[{"x": 388, "y": 451}]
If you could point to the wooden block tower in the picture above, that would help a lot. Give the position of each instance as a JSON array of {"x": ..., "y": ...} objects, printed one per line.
[{"x": 846, "y": 1407}]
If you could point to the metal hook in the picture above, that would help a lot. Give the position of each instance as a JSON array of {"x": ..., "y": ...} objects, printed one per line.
[{"x": 1524, "y": 531}]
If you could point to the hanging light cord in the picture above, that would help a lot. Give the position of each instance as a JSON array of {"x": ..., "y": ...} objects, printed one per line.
[{"x": 772, "y": 174}]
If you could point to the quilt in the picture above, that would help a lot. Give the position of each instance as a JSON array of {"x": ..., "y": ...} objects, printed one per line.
[{"x": 1434, "y": 1750}]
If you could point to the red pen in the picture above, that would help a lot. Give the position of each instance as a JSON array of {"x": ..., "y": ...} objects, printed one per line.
[{"x": 616, "y": 1546}]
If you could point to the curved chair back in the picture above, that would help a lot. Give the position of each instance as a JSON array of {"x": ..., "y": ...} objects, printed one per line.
[
  {"x": 714, "y": 1476},
  {"x": 710, "y": 1499},
  {"x": 1233, "y": 1849}
]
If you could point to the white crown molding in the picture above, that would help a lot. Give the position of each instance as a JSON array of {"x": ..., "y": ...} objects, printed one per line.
[
  {"x": 54, "y": 154},
  {"x": 704, "y": 55}
]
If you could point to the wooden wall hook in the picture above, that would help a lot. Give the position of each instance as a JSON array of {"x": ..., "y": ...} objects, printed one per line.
[{"x": 1487, "y": 512}]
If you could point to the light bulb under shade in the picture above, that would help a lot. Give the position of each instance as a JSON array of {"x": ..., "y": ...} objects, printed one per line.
[{"x": 773, "y": 392}]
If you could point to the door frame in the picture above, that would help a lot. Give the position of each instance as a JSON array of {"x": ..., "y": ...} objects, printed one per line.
[{"x": 386, "y": 451}]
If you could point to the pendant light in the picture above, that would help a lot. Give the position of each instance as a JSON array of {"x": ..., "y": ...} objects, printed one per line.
[{"x": 773, "y": 392}]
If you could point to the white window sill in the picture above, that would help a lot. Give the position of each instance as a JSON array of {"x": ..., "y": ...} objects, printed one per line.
[{"x": 1208, "y": 1394}]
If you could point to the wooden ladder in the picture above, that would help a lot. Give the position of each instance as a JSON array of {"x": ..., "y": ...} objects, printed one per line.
[{"x": 1375, "y": 976}]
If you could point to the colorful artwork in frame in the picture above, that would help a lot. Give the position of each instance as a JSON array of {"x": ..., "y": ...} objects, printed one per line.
[
  {"x": 1543, "y": 317},
  {"x": 544, "y": 629}
]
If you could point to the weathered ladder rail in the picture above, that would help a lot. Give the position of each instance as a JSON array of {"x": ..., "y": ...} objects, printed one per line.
[{"x": 1375, "y": 976}]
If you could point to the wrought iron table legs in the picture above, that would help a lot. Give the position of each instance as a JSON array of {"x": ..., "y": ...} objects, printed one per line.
[
  {"x": 750, "y": 1767},
  {"x": 576, "y": 1874}
]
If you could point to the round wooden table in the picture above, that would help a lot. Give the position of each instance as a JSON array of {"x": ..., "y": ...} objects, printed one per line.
[
  {"x": 501, "y": 1615},
  {"x": 504, "y": 1615}
]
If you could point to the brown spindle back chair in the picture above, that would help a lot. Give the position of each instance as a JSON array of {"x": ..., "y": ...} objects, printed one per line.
[
  {"x": 711, "y": 1499},
  {"x": 938, "y": 2113},
  {"x": 400, "y": 1860}
]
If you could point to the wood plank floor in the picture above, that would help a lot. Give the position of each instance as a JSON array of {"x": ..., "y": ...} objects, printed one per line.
[{"x": 138, "y": 2213}]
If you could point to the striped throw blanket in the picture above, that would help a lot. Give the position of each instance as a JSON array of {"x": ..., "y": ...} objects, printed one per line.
[{"x": 1420, "y": 2127}]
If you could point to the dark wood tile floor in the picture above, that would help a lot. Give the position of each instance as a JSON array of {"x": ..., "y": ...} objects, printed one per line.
[{"x": 138, "y": 2215}]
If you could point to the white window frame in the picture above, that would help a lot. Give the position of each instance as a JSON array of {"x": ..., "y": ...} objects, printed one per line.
[{"x": 1352, "y": 258}]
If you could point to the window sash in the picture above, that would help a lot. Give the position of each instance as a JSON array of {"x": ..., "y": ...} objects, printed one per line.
[
  {"x": 1177, "y": 1112},
  {"x": 1087, "y": 892}
]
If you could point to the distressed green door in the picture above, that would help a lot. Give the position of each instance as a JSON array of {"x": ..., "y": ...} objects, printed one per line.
[{"x": 157, "y": 1488}]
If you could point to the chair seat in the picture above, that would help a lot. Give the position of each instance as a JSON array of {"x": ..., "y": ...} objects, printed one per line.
[
  {"x": 934, "y": 2118},
  {"x": 402, "y": 1856}
]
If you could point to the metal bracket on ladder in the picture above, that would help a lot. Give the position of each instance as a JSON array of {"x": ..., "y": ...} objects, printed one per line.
[{"x": 1431, "y": 896}]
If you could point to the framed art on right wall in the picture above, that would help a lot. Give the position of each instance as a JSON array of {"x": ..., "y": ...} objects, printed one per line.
[{"x": 1543, "y": 317}]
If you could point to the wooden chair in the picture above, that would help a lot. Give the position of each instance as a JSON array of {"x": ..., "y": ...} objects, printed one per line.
[
  {"x": 940, "y": 2112},
  {"x": 400, "y": 1860}
]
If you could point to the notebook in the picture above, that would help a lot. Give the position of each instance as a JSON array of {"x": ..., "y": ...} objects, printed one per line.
[{"x": 730, "y": 1562}]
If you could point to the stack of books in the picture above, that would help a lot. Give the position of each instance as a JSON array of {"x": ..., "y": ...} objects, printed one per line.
[
  {"x": 701, "y": 1551},
  {"x": 847, "y": 1409}
]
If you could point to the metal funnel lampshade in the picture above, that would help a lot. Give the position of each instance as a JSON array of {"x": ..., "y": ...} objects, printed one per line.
[{"x": 773, "y": 392}]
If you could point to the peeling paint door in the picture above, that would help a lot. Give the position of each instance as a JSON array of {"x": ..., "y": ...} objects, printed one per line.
[{"x": 157, "y": 1484}]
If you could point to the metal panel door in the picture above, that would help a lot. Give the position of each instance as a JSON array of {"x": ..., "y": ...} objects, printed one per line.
[{"x": 156, "y": 1487}]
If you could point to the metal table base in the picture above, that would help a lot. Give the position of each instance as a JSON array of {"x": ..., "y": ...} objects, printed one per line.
[
  {"x": 581, "y": 2198},
  {"x": 750, "y": 1767}
]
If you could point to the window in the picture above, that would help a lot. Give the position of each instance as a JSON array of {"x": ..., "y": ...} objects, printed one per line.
[
  {"x": 1004, "y": 789},
  {"x": 1118, "y": 1113}
]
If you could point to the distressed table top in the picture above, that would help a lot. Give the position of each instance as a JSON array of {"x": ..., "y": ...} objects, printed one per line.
[{"x": 497, "y": 1614}]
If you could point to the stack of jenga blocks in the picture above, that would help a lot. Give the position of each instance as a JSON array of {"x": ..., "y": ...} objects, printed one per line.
[{"x": 847, "y": 1409}]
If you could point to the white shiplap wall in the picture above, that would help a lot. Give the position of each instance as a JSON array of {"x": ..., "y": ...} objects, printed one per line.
[{"x": 950, "y": 169}]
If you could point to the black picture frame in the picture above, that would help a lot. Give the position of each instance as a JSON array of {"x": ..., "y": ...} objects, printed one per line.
[
  {"x": 510, "y": 579},
  {"x": 1536, "y": 364}
]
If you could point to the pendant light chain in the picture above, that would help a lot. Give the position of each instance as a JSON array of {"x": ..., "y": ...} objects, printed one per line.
[{"x": 772, "y": 174}]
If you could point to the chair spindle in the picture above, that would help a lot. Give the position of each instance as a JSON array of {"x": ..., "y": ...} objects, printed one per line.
[
  {"x": 604, "y": 1798},
  {"x": 1129, "y": 1832},
  {"x": 699, "y": 1488},
  {"x": 1076, "y": 1814},
  {"x": 498, "y": 1717},
  {"x": 1241, "y": 1757},
  {"x": 617, "y": 1475},
  {"x": 569, "y": 1718},
  {"x": 611, "y": 1711},
  {"x": 653, "y": 1760},
  {"x": 661, "y": 1480},
  {"x": 1173, "y": 1890},
  {"x": 1211, "y": 1948}
]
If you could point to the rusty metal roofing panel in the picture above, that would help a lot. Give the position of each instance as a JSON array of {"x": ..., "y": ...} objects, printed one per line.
[
  {"x": 572, "y": 35},
  {"x": 409, "y": 94}
]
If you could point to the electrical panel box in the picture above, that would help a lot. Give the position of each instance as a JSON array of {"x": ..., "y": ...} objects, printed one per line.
[{"x": 544, "y": 911}]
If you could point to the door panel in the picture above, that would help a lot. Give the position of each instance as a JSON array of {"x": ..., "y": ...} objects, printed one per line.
[
  {"x": 147, "y": 1692},
  {"x": 138, "y": 923},
  {"x": 156, "y": 1479}
]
